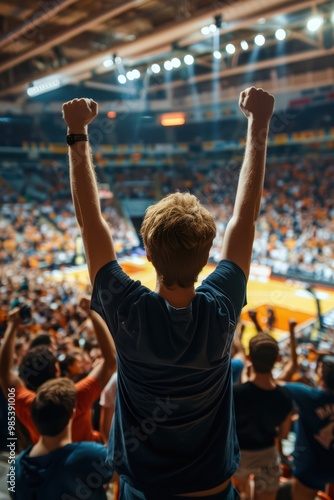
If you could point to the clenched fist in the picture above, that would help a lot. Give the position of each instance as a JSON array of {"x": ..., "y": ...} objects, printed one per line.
[
  {"x": 257, "y": 104},
  {"x": 78, "y": 113}
]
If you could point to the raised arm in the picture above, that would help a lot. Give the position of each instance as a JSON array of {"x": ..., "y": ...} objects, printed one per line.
[
  {"x": 104, "y": 370},
  {"x": 7, "y": 376},
  {"x": 94, "y": 229},
  {"x": 257, "y": 105},
  {"x": 292, "y": 365}
]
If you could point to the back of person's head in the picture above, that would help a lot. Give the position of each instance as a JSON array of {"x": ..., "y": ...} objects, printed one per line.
[
  {"x": 328, "y": 372},
  {"x": 41, "y": 339},
  {"x": 178, "y": 233},
  {"x": 263, "y": 352},
  {"x": 53, "y": 406},
  {"x": 38, "y": 366}
]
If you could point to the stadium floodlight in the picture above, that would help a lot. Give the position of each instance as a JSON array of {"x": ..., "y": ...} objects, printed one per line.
[
  {"x": 212, "y": 28},
  {"x": 244, "y": 45},
  {"x": 314, "y": 23},
  {"x": 280, "y": 34},
  {"x": 155, "y": 68},
  {"x": 121, "y": 79},
  {"x": 205, "y": 30},
  {"x": 217, "y": 54},
  {"x": 230, "y": 48},
  {"x": 108, "y": 63},
  {"x": 130, "y": 75},
  {"x": 188, "y": 59},
  {"x": 176, "y": 62},
  {"x": 168, "y": 65},
  {"x": 136, "y": 73},
  {"x": 259, "y": 40},
  {"x": 42, "y": 86}
]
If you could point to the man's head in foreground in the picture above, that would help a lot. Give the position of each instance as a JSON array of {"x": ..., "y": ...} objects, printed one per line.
[
  {"x": 178, "y": 233},
  {"x": 53, "y": 407}
]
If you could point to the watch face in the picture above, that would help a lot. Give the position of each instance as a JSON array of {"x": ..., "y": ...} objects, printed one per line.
[{"x": 70, "y": 139}]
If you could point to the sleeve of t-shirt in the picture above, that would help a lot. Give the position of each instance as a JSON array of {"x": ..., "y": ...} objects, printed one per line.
[
  {"x": 229, "y": 280},
  {"x": 111, "y": 286},
  {"x": 88, "y": 391},
  {"x": 23, "y": 399}
]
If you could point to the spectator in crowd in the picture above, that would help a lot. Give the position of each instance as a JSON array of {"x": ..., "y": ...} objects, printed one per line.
[
  {"x": 263, "y": 414},
  {"x": 174, "y": 407},
  {"x": 55, "y": 467},
  {"x": 41, "y": 365},
  {"x": 313, "y": 465}
]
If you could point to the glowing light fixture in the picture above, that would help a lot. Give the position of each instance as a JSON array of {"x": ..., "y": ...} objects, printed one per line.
[
  {"x": 136, "y": 73},
  {"x": 155, "y": 68},
  {"x": 230, "y": 48},
  {"x": 280, "y": 34},
  {"x": 40, "y": 87},
  {"x": 121, "y": 79},
  {"x": 108, "y": 63},
  {"x": 168, "y": 65},
  {"x": 217, "y": 54},
  {"x": 118, "y": 60},
  {"x": 130, "y": 75},
  {"x": 176, "y": 62},
  {"x": 111, "y": 114},
  {"x": 172, "y": 119},
  {"x": 212, "y": 28},
  {"x": 205, "y": 30},
  {"x": 188, "y": 59},
  {"x": 244, "y": 45},
  {"x": 314, "y": 23},
  {"x": 259, "y": 40}
]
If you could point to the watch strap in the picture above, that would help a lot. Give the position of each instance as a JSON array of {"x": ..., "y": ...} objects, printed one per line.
[{"x": 72, "y": 138}]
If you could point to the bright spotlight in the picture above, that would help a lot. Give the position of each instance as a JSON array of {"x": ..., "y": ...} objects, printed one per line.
[
  {"x": 121, "y": 79},
  {"x": 244, "y": 45},
  {"x": 188, "y": 59},
  {"x": 332, "y": 17},
  {"x": 217, "y": 54},
  {"x": 259, "y": 40},
  {"x": 118, "y": 60},
  {"x": 108, "y": 63},
  {"x": 230, "y": 49},
  {"x": 205, "y": 30},
  {"x": 136, "y": 73},
  {"x": 280, "y": 34},
  {"x": 168, "y": 65},
  {"x": 155, "y": 68},
  {"x": 130, "y": 75},
  {"x": 212, "y": 28},
  {"x": 176, "y": 62},
  {"x": 314, "y": 23}
]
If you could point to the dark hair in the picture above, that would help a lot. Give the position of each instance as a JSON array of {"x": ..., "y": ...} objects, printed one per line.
[
  {"x": 38, "y": 366},
  {"x": 263, "y": 351},
  {"x": 41, "y": 339},
  {"x": 68, "y": 361},
  {"x": 328, "y": 372},
  {"x": 53, "y": 406}
]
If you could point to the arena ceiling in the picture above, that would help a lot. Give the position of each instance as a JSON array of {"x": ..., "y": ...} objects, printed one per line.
[{"x": 69, "y": 41}]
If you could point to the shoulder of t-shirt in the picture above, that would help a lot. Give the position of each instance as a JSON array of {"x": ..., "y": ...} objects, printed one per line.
[
  {"x": 298, "y": 389},
  {"x": 228, "y": 265},
  {"x": 88, "y": 390},
  {"x": 24, "y": 394}
]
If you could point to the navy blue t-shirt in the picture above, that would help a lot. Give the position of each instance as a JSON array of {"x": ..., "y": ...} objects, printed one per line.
[
  {"x": 314, "y": 449},
  {"x": 174, "y": 426},
  {"x": 77, "y": 470}
]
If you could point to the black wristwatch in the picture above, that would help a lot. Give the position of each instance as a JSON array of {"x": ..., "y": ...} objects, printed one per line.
[{"x": 72, "y": 138}]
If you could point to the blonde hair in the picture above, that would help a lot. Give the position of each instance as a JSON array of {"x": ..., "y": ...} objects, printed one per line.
[{"x": 178, "y": 233}]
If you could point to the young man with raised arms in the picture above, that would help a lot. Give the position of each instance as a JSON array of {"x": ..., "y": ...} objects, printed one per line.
[{"x": 173, "y": 434}]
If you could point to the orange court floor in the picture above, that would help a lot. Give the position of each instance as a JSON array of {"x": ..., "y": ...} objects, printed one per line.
[{"x": 288, "y": 299}]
